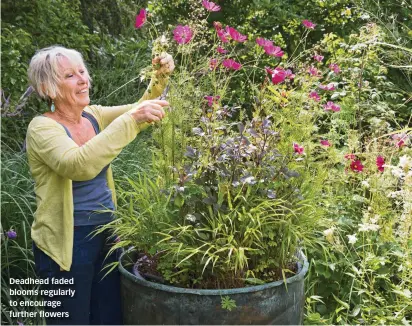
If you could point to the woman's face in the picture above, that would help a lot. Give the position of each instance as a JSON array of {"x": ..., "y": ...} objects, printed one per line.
[{"x": 74, "y": 85}]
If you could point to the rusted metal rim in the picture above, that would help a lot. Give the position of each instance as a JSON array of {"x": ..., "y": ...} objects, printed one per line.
[{"x": 295, "y": 278}]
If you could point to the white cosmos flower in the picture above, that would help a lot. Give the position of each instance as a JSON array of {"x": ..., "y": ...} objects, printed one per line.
[{"x": 352, "y": 238}]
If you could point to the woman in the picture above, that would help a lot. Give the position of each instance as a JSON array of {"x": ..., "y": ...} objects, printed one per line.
[{"x": 69, "y": 151}]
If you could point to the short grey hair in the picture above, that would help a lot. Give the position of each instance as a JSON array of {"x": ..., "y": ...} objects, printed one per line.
[{"x": 44, "y": 73}]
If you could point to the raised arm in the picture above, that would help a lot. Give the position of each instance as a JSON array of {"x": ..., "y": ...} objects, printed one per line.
[
  {"x": 155, "y": 89},
  {"x": 47, "y": 141}
]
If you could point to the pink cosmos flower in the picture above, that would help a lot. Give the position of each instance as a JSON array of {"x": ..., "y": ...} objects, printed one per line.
[
  {"x": 278, "y": 75},
  {"x": 325, "y": 142},
  {"x": 231, "y": 64},
  {"x": 350, "y": 156},
  {"x": 213, "y": 64},
  {"x": 140, "y": 19},
  {"x": 313, "y": 71},
  {"x": 274, "y": 51},
  {"x": 235, "y": 35},
  {"x": 380, "y": 161},
  {"x": 182, "y": 34},
  {"x": 315, "y": 96},
  {"x": 356, "y": 166},
  {"x": 289, "y": 74},
  {"x": 318, "y": 57},
  {"x": 328, "y": 87},
  {"x": 334, "y": 67},
  {"x": 210, "y": 6},
  {"x": 331, "y": 106},
  {"x": 221, "y": 50},
  {"x": 298, "y": 149},
  {"x": 400, "y": 139},
  {"x": 222, "y": 34},
  {"x": 212, "y": 99},
  {"x": 308, "y": 24},
  {"x": 263, "y": 42}
]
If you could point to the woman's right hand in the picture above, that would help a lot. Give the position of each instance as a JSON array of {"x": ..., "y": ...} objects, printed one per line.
[{"x": 149, "y": 111}]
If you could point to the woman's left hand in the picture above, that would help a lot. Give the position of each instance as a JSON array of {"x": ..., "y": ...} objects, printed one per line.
[{"x": 166, "y": 63}]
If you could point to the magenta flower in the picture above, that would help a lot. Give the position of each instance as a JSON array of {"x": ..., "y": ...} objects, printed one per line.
[
  {"x": 331, "y": 106},
  {"x": 278, "y": 75},
  {"x": 314, "y": 72},
  {"x": 334, "y": 67},
  {"x": 263, "y": 42},
  {"x": 221, "y": 33},
  {"x": 325, "y": 142},
  {"x": 235, "y": 35},
  {"x": 318, "y": 57},
  {"x": 11, "y": 234},
  {"x": 380, "y": 161},
  {"x": 213, "y": 64},
  {"x": 182, "y": 34},
  {"x": 274, "y": 51},
  {"x": 315, "y": 96},
  {"x": 210, "y": 6},
  {"x": 298, "y": 149},
  {"x": 231, "y": 64},
  {"x": 221, "y": 50},
  {"x": 328, "y": 87},
  {"x": 289, "y": 74},
  {"x": 356, "y": 166},
  {"x": 212, "y": 99},
  {"x": 308, "y": 24},
  {"x": 140, "y": 19}
]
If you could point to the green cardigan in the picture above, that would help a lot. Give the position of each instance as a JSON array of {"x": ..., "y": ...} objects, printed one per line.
[{"x": 55, "y": 160}]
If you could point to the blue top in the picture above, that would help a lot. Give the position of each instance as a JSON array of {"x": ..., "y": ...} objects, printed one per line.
[{"x": 92, "y": 195}]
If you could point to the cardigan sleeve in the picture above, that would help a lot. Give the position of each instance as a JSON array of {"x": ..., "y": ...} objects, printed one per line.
[
  {"x": 109, "y": 113},
  {"x": 48, "y": 142}
]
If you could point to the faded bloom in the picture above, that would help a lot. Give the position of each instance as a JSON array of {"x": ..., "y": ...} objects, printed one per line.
[
  {"x": 334, "y": 67},
  {"x": 350, "y": 156},
  {"x": 318, "y": 57},
  {"x": 298, "y": 149},
  {"x": 210, "y": 6},
  {"x": 356, "y": 166},
  {"x": 231, "y": 64},
  {"x": 235, "y": 35},
  {"x": 11, "y": 234},
  {"x": 325, "y": 142},
  {"x": 140, "y": 19},
  {"x": 315, "y": 96},
  {"x": 213, "y": 63},
  {"x": 182, "y": 34},
  {"x": 352, "y": 239},
  {"x": 330, "y": 106},
  {"x": 308, "y": 24},
  {"x": 221, "y": 50}
]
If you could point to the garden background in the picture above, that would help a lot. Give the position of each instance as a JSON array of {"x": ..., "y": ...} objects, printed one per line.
[{"x": 360, "y": 265}]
